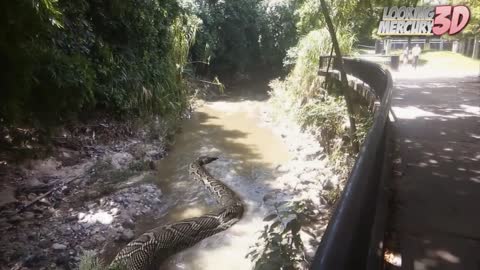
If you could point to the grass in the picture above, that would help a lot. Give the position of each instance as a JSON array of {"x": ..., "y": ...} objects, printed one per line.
[{"x": 448, "y": 60}]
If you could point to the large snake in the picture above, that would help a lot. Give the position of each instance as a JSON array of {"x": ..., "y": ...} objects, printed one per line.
[{"x": 150, "y": 249}]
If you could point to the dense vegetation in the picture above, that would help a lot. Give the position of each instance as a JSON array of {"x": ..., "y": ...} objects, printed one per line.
[
  {"x": 70, "y": 57},
  {"x": 65, "y": 59}
]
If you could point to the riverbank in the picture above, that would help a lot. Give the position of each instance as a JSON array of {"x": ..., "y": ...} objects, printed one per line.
[{"x": 82, "y": 194}]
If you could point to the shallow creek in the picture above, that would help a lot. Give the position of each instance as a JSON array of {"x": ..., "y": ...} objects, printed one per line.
[{"x": 248, "y": 154}]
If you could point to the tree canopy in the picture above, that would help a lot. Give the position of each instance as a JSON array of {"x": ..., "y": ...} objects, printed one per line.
[{"x": 66, "y": 59}]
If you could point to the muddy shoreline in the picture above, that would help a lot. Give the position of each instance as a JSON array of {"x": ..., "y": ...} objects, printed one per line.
[{"x": 95, "y": 194}]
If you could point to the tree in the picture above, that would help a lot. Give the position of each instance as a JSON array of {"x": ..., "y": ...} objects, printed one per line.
[{"x": 343, "y": 74}]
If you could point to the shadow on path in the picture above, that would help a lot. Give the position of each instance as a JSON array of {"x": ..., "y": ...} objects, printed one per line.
[{"x": 434, "y": 221}]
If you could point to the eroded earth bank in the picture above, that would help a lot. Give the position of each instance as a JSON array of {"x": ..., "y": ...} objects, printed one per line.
[{"x": 104, "y": 193}]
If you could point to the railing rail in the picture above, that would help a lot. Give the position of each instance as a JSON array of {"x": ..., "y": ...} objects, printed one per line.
[{"x": 352, "y": 235}]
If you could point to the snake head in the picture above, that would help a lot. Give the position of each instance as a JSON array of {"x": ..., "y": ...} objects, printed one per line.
[{"x": 203, "y": 160}]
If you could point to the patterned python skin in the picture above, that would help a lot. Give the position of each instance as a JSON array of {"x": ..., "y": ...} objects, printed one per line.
[{"x": 150, "y": 249}]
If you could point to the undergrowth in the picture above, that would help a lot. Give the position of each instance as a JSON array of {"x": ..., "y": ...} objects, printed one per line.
[
  {"x": 90, "y": 261},
  {"x": 304, "y": 98},
  {"x": 280, "y": 245}
]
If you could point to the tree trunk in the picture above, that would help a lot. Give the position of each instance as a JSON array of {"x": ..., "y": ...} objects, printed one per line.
[
  {"x": 344, "y": 81},
  {"x": 467, "y": 47},
  {"x": 476, "y": 49}
]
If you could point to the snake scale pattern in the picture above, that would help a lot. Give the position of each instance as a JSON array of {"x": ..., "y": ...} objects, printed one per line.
[{"x": 150, "y": 249}]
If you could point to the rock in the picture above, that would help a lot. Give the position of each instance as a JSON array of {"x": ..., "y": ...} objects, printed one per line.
[
  {"x": 44, "y": 243},
  {"x": 312, "y": 154},
  {"x": 127, "y": 235},
  {"x": 29, "y": 215},
  {"x": 91, "y": 206},
  {"x": 98, "y": 239},
  {"x": 88, "y": 244},
  {"x": 34, "y": 260},
  {"x": 62, "y": 260},
  {"x": 92, "y": 193},
  {"x": 15, "y": 219},
  {"x": 33, "y": 182},
  {"x": 86, "y": 225},
  {"x": 76, "y": 228},
  {"x": 135, "y": 197},
  {"x": 71, "y": 218},
  {"x": 4, "y": 225},
  {"x": 282, "y": 168},
  {"x": 128, "y": 222},
  {"x": 309, "y": 176},
  {"x": 81, "y": 216},
  {"x": 58, "y": 246},
  {"x": 152, "y": 165},
  {"x": 45, "y": 201},
  {"x": 120, "y": 160},
  {"x": 329, "y": 184}
]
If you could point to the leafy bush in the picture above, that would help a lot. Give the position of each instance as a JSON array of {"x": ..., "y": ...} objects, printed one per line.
[
  {"x": 280, "y": 245},
  {"x": 326, "y": 117},
  {"x": 303, "y": 86},
  {"x": 69, "y": 58}
]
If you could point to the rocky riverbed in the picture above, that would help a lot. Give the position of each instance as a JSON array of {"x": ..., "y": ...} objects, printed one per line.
[
  {"x": 92, "y": 200},
  {"x": 309, "y": 176}
]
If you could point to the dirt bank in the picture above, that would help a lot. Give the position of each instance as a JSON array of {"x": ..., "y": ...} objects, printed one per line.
[{"x": 86, "y": 193}]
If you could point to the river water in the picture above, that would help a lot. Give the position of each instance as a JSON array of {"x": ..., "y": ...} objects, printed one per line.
[{"x": 249, "y": 153}]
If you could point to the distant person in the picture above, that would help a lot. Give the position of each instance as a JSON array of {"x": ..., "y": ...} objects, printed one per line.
[
  {"x": 416, "y": 54},
  {"x": 405, "y": 56}
]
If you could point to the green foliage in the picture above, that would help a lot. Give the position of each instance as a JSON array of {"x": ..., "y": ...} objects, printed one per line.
[
  {"x": 303, "y": 85},
  {"x": 358, "y": 17},
  {"x": 89, "y": 261},
  {"x": 241, "y": 36},
  {"x": 331, "y": 196},
  {"x": 364, "y": 121},
  {"x": 306, "y": 57},
  {"x": 346, "y": 15},
  {"x": 280, "y": 245},
  {"x": 228, "y": 36},
  {"x": 278, "y": 31},
  {"x": 302, "y": 96},
  {"x": 326, "y": 116},
  {"x": 69, "y": 58}
]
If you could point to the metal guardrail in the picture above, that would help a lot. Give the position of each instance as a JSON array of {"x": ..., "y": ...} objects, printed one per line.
[{"x": 354, "y": 234}]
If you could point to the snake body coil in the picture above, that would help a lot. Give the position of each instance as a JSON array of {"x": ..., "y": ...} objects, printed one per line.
[{"x": 149, "y": 250}]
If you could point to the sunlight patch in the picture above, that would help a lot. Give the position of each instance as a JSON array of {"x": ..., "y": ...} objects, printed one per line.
[
  {"x": 471, "y": 109},
  {"x": 412, "y": 112},
  {"x": 393, "y": 258},
  {"x": 101, "y": 216}
]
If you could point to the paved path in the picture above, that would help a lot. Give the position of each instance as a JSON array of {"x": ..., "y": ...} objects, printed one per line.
[{"x": 436, "y": 214}]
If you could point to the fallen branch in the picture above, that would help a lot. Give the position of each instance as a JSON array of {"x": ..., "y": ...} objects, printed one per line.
[
  {"x": 18, "y": 266},
  {"x": 23, "y": 208},
  {"x": 207, "y": 82}
]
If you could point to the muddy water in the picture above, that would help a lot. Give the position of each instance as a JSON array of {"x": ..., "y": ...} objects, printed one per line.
[{"x": 249, "y": 153}]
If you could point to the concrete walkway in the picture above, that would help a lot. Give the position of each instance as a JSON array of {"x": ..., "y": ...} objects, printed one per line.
[{"x": 436, "y": 209}]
